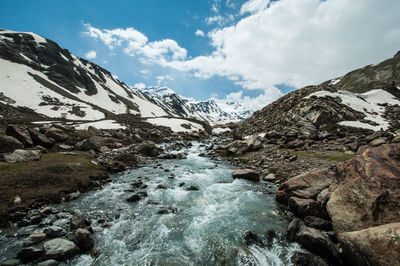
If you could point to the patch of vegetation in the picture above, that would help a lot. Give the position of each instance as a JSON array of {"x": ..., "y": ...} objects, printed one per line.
[
  {"x": 273, "y": 170},
  {"x": 338, "y": 158},
  {"x": 45, "y": 180}
]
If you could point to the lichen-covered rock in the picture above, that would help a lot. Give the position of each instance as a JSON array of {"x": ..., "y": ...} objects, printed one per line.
[
  {"x": 369, "y": 191},
  {"x": 378, "y": 245}
]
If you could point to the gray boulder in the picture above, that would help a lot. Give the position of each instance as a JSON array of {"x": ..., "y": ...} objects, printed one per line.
[
  {"x": 85, "y": 145},
  {"x": 9, "y": 144},
  {"x": 29, "y": 254},
  {"x": 56, "y": 134},
  {"x": 60, "y": 249},
  {"x": 21, "y": 134},
  {"x": 54, "y": 231},
  {"x": 40, "y": 139},
  {"x": 19, "y": 156},
  {"x": 83, "y": 239},
  {"x": 318, "y": 243}
]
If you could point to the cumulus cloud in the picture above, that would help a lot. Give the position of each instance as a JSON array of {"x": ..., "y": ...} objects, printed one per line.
[
  {"x": 199, "y": 33},
  {"x": 254, "y": 103},
  {"x": 254, "y": 6},
  {"x": 91, "y": 54},
  {"x": 300, "y": 42},
  {"x": 289, "y": 42},
  {"x": 139, "y": 86},
  {"x": 134, "y": 43}
]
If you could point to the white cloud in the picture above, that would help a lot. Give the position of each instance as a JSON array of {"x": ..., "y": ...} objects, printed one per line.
[
  {"x": 199, "y": 33},
  {"x": 139, "y": 86},
  {"x": 255, "y": 103},
  {"x": 254, "y": 6},
  {"x": 215, "y": 19},
  {"x": 298, "y": 43},
  {"x": 135, "y": 43},
  {"x": 161, "y": 79},
  {"x": 91, "y": 54},
  {"x": 145, "y": 72}
]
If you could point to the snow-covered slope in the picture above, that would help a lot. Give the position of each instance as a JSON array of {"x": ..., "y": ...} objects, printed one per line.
[{"x": 36, "y": 73}]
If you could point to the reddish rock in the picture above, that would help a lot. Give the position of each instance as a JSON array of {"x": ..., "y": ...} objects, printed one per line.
[
  {"x": 307, "y": 185},
  {"x": 377, "y": 245},
  {"x": 368, "y": 192},
  {"x": 306, "y": 207},
  {"x": 248, "y": 174}
]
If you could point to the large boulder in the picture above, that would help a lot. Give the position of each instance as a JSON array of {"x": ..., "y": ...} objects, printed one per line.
[
  {"x": 318, "y": 243},
  {"x": 21, "y": 134},
  {"x": 56, "y": 134},
  {"x": 29, "y": 254},
  {"x": 83, "y": 239},
  {"x": 54, "y": 231},
  {"x": 306, "y": 207},
  {"x": 248, "y": 174},
  {"x": 59, "y": 249},
  {"x": 377, "y": 245},
  {"x": 9, "y": 144},
  {"x": 40, "y": 139},
  {"x": 368, "y": 192},
  {"x": 19, "y": 156},
  {"x": 239, "y": 147},
  {"x": 307, "y": 185},
  {"x": 85, "y": 145},
  {"x": 148, "y": 149}
]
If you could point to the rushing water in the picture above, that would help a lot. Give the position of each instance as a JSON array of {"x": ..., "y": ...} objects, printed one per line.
[{"x": 203, "y": 227}]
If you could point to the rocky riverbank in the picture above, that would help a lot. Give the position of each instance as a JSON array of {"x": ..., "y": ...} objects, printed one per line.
[{"x": 341, "y": 191}]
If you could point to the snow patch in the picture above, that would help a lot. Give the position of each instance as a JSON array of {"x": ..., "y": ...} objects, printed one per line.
[
  {"x": 103, "y": 124},
  {"x": 64, "y": 57},
  {"x": 219, "y": 130},
  {"x": 37, "y": 38},
  {"x": 175, "y": 124},
  {"x": 368, "y": 103},
  {"x": 335, "y": 81}
]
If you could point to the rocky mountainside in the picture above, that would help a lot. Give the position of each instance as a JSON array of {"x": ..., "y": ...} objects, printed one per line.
[
  {"x": 212, "y": 110},
  {"x": 38, "y": 74},
  {"x": 364, "y": 99}
]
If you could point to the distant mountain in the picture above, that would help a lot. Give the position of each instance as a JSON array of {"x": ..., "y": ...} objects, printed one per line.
[
  {"x": 364, "y": 99},
  {"x": 212, "y": 110}
]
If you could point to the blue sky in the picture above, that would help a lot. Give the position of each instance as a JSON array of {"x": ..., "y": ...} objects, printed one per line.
[{"x": 250, "y": 51}]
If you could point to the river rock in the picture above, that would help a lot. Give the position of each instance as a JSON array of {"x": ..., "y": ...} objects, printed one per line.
[
  {"x": 79, "y": 221},
  {"x": 10, "y": 262},
  {"x": 60, "y": 249},
  {"x": 48, "y": 263},
  {"x": 29, "y": 254},
  {"x": 83, "y": 239},
  {"x": 133, "y": 198},
  {"x": 34, "y": 239},
  {"x": 40, "y": 139},
  {"x": 54, "y": 231},
  {"x": 19, "y": 156},
  {"x": 318, "y": 243},
  {"x": 369, "y": 191},
  {"x": 307, "y": 185},
  {"x": 318, "y": 223},
  {"x": 305, "y": 207},
  {"x": 378, "y": 245},
  {"x": 307, "y": 259},
  {"x": 251, "y": 238},
  {"x": 21, "y": 134},
  {"x": 148, "y": 149},
  {"x": 292, "y": 229},
  {"x": 9, "y": 144},
  {"x": 248, "y": 174}
]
